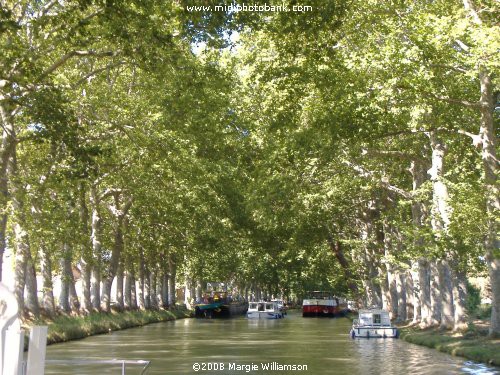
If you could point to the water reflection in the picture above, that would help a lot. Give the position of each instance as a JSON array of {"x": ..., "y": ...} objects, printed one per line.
[{"x": 323, "y": 345}]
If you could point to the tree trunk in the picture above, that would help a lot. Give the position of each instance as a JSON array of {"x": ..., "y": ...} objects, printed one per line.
[
  {"x": 95, "y": 237},
  {"x": 95, "y": 287},
  {"x": 7, "y": 148},
  {"x": 133, "y": 293},
  {"x": 119, "y": 287},
  {"x": 449, "y": 267},
  {"x": 119, "y": 213},
  {"x": 127, "y": 291},
  {"x": 159, "y": 289},
  {"x": 435, "y": 294},
  {"x": 401, "y": 292},
  {"x": 86, "y": 258},
  {"x": 3, "y": 229},
  {"x": 187, "y": 293},
  {"x": 152, "y": 290},
  {"x": 422, "y": 312},
  {"x": 490, "y": 165},
  {"x": 74, "y": 301},
  {"x": 459, "y": 297},
  {"x": 64, "y": 294},
  {"x": 107, "y": 284},
  {"x": 86, "y": 277},
  {"x": 424, "y": 281},
  {"x": 172, "y": 268},
  {"x": 20, "y": 237},
  {"x": 445, "y": 282},
  {"x": 48, "y": 302},
  {"x": 32, "y": 289},
  {"x": 140, "y": 291},
  {"x": 392, "y": 278},
  {"x": 164, "y": 289},
  {"x": 412, "y": 304},
  {"x": 147, "y": 288}
]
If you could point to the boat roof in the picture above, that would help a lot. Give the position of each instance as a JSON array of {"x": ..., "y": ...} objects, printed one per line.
[{"x": 373, "y": 311}]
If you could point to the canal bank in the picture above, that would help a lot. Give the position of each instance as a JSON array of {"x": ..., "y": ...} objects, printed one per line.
[
  {"x": 66, "y": 327},
  {"x": 472, "y": 344}
]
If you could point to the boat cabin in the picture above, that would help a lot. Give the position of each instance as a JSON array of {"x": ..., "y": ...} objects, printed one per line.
[
  {"x": 374, "y": 317},
  {"x": 262, "y": 306}
]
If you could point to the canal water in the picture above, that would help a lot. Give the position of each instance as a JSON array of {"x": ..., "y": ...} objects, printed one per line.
[{"x": 293, "y": 345}]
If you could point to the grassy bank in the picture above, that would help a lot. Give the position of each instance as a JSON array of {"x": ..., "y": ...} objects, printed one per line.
[
  {"x": 473, "y": 344},
  {"x": 66, "y": 328}
]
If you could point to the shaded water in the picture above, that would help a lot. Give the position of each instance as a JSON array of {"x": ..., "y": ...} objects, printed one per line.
[{"x": 323, "y": 345}]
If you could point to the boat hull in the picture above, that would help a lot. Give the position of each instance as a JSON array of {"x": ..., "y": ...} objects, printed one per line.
[
  {"x": 264, "y": 315},
  {"x": 220, "y": 310},
  {"x": 374, "y": 332},
  {"x": 319, "y": 310}
]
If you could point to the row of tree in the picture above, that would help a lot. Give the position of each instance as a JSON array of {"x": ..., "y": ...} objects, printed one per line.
[{"x": 330, "y": 149}]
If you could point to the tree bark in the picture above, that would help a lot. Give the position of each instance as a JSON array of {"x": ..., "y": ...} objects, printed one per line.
[
  {"x": 490, "y": 165},
  {"x": 449, "y": 269},
  {"x": 152, "y": 290},
  {"x": 119, "y": 213},
  {"x": 417, "y": 170},
  {"x": 142, "y": 271},
  {"x": 48, "y": 302},
  {"x": 172, "y": 268},
  {"x": 445, "y": 282},
  {"x": 31, "y": 288},
  {"x": 127, "y": 291},
  {"x": 95, "y": 237},
  {"x": 435, "y": 294},
  {"x": 86, "y": 258},
  {"x": 7, "y": 148},
  {"x": 133, "y": 293},
  {"x": 164, "y": 289},
  {"x": 119, "y": 287},
  {"x": 147, "y": 288},
  {"x": 401, "y": 292}
]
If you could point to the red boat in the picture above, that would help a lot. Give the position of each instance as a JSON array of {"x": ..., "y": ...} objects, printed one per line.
[{"x": 320, "y": 304}]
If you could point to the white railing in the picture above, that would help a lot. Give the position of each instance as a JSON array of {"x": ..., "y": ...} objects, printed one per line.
[{"x": 119, "y": 362}]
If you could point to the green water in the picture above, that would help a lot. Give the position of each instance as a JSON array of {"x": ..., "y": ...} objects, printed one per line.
[{"x": 241, "y": 346}]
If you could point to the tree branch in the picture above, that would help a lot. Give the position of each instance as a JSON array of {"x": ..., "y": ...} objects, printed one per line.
[
  {"x": 384, "y": 181},
  {"x": 63, "y": 59},
  {"x": 449, "y": 67},
  {"x": 464, "y": 103},
  {"x": 392, "y": 153},
  {"x": 476, "y": 139}
]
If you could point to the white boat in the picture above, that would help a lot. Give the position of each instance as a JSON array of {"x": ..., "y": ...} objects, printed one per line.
[
  {"x": 281, "y": 305},
  {"x": 373, "y": 323},
  {"x": 264, "y": 310}
]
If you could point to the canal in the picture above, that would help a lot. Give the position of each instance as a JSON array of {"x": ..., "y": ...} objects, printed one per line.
[{"x": 239, "y": 346}]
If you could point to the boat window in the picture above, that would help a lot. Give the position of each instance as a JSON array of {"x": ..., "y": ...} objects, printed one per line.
[
  {"x": 377, "y": 319},
  {"x": 269, "y": 306},
  {"x": 261, "y": 307},
  {"x": 253, "y": 305}
]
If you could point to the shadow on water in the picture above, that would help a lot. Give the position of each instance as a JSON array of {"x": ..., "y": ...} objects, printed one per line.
[{"x": 323, "y": 345}]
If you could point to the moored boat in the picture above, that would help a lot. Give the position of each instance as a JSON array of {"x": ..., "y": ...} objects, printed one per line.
[
  {"x": 264, "y": 310},
  {"x": 320, "y": 303},
  {"x": 281, "y": 305},
  {"x": 219, "y": 304},
  {"x": 373, "y": 323}
]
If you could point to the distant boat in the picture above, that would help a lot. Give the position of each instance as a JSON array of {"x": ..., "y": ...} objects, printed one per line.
[
  {"x": 219, "y": 305},
  {"x": 281, "y": 305},
  {"x": 320, "y": 303},
  {"x": 264, "y": 310},
  {"x": 373, "y": 323}
]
